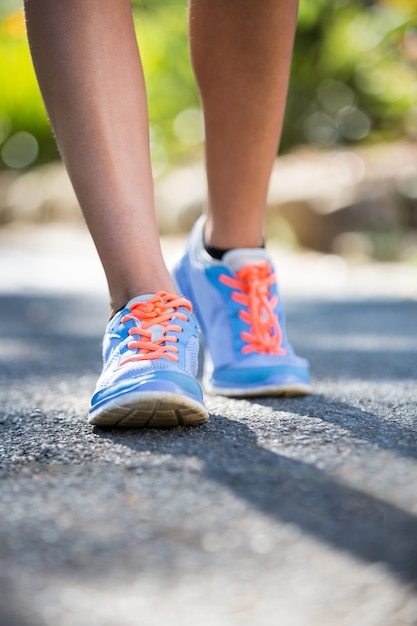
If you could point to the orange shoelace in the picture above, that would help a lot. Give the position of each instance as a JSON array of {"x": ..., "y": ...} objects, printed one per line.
[
  {"x": 251, "y": 290},
  {"x": 157, "y": 311}
]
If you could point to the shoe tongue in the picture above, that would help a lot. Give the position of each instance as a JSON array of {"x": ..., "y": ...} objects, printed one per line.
[
  {"x": 236, "y": 259},
  {"x": 143, "y": 298}
]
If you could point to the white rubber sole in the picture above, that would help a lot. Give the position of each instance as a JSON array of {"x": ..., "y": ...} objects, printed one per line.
[
  {"x": 150, "y": 410},
  {"x": 288, "y": 391}
]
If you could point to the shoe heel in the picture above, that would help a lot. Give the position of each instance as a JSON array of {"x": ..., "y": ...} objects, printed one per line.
[{"x": 177, "y": 272}]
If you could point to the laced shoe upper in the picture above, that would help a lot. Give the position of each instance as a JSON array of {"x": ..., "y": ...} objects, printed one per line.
[
  {"x": 154, "y": 332},
  {"x": 153, "y": 337},
  {"x": 150, "y": 361},
  {"x": 239, "y": 309}
]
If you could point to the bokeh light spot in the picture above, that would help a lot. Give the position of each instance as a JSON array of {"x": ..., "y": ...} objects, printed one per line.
[
  {"x": 20, "y": 150},
  {"x": 189, "y": 127},
  {"x": 334, "y": 95},
  {"x": 320, "y": 129},
  {"x": 353, "y": 123}
]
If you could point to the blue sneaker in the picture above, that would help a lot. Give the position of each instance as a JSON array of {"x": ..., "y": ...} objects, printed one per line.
[
  {"x": 150, "y": 354},
  {"x": 237, "y": 305}
]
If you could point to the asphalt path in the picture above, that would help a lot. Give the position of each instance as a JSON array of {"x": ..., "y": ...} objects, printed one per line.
[{"x": 293, "y": 512}]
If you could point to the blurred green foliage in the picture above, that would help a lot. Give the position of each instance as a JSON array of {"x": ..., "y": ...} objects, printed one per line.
[
  {"x": 353, "y": 79},
  {"x": 21, "y": 106},
  {"x": 354, "y": 73}
]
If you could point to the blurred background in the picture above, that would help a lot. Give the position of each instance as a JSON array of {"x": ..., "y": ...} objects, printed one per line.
[{"x": 346, "y": 180}]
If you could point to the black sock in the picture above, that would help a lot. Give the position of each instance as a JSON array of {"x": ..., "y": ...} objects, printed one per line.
[
  {"x": 215, "y": 253},
  {"x": 218, "y": 253}
]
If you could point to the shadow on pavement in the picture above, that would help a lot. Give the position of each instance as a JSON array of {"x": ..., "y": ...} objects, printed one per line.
[
  {"x": 295, "y": 492},
  {"x": 48, "y": 336},
  {"x": 366, "y": 426}
]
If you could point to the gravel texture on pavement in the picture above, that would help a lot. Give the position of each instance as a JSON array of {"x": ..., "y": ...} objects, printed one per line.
[{"x": 300, "y": 512}]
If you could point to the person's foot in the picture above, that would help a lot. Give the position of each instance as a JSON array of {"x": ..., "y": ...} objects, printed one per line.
[
  {"x": 150, "y": 355},
  {"x": 239, "y": 310}
]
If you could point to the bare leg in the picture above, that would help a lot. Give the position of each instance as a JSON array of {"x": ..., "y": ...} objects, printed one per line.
[
  {"x": 241, "y": 52},
  {"x": 89, "y": 70}
]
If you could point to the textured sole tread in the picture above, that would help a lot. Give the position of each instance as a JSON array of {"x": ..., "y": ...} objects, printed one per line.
[{"x": 150, "y": 410}]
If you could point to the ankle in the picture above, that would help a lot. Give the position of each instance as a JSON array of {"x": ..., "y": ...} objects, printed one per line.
[{"x": 224, "y": 237}]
